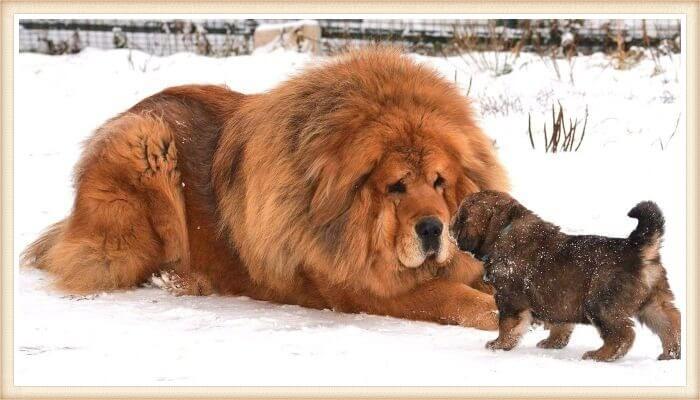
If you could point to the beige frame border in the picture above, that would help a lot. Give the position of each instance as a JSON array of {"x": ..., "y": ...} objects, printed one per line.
[{"x": 688, "y": 7}]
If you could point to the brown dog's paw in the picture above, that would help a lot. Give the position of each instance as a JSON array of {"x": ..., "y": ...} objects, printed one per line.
[
  {"x": 168, "y": 281},
  {"x": 487, "y": 321},
  {"x": 198, "y": 285},
  {"x": 159, "y": 157},
  {"x": 182, "y": 285}
]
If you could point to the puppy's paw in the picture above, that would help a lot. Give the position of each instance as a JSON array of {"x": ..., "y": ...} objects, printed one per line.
[
  {"x": 600, "y": 355},
  {"x": 550, "y": 343},
  {"x": 498, "y": 344},
  {"x": 671, "y": 355},
  {"x": 591, "y": 355}
]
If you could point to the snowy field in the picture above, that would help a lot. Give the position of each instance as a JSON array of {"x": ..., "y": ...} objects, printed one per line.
[{"x": 147, "y": 337}]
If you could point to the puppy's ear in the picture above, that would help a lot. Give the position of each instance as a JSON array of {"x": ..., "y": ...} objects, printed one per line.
[
  {"x": 504, "y": 212},
  {"x": 457, "y": 223}
]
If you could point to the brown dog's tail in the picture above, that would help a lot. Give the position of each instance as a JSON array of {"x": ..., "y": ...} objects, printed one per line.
[
  {"x": 35, "y": 254},
  {"x": 649, "y": 231}
]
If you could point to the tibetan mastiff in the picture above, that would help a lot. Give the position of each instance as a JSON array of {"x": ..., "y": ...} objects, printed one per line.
[
  {"x": 540, "y": 272},
  {"x": 333, "y": 190}
]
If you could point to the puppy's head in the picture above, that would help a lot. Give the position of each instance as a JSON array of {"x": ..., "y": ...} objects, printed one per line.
[{"x": 481, "y": 218}]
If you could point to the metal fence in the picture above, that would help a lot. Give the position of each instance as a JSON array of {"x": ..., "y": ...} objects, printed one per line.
[{"x": 232, "y": 37}]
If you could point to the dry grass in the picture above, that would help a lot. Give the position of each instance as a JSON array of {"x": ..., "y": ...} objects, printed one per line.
[
  {"x": 563, "y": 137},
  {"x": 675, "y": 129},
  {"x": 499, "y": 105},
  {"x": 489, "y": 55}
]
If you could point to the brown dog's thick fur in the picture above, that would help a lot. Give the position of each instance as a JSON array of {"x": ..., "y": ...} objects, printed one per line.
[
  {"x": 540, "y": 272},
  {"x": 312, "y": 194}
]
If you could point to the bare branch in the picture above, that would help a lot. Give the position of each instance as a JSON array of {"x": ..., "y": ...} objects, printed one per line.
[
  {"x": 529, "y": 130},
  {"x": 583, "y": 133}
]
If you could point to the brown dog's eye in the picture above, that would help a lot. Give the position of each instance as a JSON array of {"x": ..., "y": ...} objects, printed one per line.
[
  {"x": 439, "y": 182},
  {"x": 398, "y": 187}
]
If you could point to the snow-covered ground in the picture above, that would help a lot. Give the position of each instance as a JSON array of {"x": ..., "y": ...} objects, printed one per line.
[{"x": 147, "y": 337}]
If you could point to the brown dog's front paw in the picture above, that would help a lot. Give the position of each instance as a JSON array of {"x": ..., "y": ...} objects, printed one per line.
[
  {"x": 486, "y": 321},
  {"x": 489, "y": 321},
  {"x": 477, "y": 311}
]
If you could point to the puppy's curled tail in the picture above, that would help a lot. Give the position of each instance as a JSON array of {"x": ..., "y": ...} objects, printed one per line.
[
  {"x": 650, "y": 227},
  {"x": 35, "y": 254}
]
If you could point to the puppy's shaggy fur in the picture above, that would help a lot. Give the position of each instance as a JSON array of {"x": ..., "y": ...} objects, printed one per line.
[
  {"x": 540, "y": 272},
  {"x": 328, "y": 191}
]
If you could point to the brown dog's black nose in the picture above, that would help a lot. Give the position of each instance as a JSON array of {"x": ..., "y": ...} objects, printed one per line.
[{"x": 429, "y": 230}]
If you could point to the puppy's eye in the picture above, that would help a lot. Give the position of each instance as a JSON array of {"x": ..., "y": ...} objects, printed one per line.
[
  {"x": 439, "y": 182},
  {"x": 398, "y": 187}
]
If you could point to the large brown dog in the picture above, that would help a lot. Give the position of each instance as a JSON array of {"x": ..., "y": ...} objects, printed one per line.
[{"x": 333, "y": 190}]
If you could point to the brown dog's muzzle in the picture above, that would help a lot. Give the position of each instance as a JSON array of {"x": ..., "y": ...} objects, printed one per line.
[{"x": 429, "y": 230}]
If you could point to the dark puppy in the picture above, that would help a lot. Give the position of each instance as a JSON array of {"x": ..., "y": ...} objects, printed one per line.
[{"x": 540, "y": 272}]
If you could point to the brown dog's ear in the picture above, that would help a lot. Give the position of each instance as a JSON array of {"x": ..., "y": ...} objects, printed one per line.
[
  {"x": 329, "y": 200},
  {"x": 333, "y": 193}
]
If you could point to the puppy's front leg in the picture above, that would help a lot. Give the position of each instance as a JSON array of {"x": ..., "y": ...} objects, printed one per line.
[
  {"x": 559, "y": 335},
  {"x": 511, "y": 328}
]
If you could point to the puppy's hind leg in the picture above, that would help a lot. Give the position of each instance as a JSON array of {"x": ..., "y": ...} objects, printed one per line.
[
  {"x": 559, "y": 335},
  {"x": 616, "y": 331},
  {"x": 664, "y": 319}
]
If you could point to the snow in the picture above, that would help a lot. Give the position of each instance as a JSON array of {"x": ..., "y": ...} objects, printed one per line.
[{"x": 148, "y": 337}]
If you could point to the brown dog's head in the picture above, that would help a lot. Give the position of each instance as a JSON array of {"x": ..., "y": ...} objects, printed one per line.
[
  {"x": 391, "y": 195},
  {"x": 481, "y": 218},
  {"x": 386, "y": 148},
  {"x": 415, "y": 189}
]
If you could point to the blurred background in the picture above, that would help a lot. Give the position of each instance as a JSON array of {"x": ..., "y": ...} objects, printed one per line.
[{"x": 222, "y": 38}]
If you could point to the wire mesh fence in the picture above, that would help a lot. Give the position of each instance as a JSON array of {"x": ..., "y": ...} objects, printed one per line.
[{"x": 221, "y": 38}]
